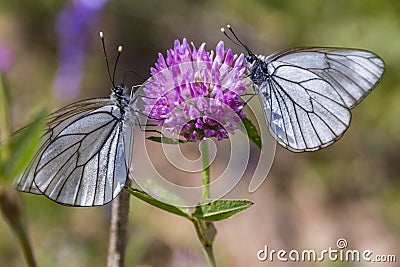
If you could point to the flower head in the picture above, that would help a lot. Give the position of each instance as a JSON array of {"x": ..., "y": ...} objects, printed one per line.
[{"x": 196, "y": 93}]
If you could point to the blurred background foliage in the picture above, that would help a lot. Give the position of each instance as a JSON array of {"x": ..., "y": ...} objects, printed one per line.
[{"x": 52, "y": 56}]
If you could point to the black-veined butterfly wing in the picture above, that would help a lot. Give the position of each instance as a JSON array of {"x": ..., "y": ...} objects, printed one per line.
[
  {"x": 54, "y": 124},
  {"x": 84, "y": 157},
  {"x": 307, "y": 93}
]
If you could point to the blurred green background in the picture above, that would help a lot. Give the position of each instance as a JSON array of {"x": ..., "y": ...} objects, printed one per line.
[{"x": 52, "y": 56}]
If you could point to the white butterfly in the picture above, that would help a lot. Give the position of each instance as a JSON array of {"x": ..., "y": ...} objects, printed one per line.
[
  {"x": 307, "y": 93},
  {"x": 85, "y": 153}
]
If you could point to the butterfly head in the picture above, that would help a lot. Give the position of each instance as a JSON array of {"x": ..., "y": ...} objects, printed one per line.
[
  {"x": 257, "y": 69},
  {"x": 254, "y": 63},
  {"x": 251, "y": 58},
  {"x": 119, "y": 90}
]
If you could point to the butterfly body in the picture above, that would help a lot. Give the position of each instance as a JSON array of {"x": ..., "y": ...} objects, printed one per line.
[
  {"x": 121, "y": 99},
  {"x": 307, "y": 93}
]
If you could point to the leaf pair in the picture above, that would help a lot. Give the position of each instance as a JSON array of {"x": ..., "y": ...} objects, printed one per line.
[{"x": 216, "y": 210}]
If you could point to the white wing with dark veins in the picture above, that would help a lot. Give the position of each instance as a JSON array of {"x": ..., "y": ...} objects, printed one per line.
[{"x": 308, "y": 93}]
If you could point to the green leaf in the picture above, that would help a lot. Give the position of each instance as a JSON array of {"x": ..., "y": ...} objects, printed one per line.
[
  {"x": 220, "y": 209},
  {"x": 166, "y": 140},
  {"x": 167, "y": 196},
  {"x": 22, "y": 147},
  {"x": 157, "y": 203},
  {"x": 251, "y": 131}
]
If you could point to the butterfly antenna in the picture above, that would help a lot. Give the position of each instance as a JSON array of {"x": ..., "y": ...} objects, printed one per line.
[
  {"x": 134, "y": 88},
  {"x": 134, "y": 72},
  {"x": 236, "y": 38},
  {"x": 230, "y": 39},
  {"x": 116, "y": 63},
  {"x": 106, "y": 58}
]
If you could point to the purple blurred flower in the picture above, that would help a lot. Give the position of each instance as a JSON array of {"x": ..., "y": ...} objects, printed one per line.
[
  {"x": 5, "y": 58},
  {"x": 196, "y": 93},
  {"x": 72, "y": 26}
]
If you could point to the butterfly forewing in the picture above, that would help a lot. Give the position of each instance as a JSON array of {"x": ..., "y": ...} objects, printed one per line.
[
  {"x": 307, "y": 93},
  {"x": 84, "y": 157},
  {"x": 55, "y": 123}
]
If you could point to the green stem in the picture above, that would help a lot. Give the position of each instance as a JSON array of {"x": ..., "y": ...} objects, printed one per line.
[
  {"x": 210, "y": 256},
  {"x": 5, "y": 129},
  {"x": 12, "y": 211},
  {"x": 10, "y": 203},
  {"x": 206, "y": 230},
  {"x": 206, "y": 169},
  {"x": 206, "y": 233},
  {"x": 26, "y": 247}
]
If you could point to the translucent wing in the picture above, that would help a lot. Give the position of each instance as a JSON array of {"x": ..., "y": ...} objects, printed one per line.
[
  {"x": 54, "y": 125},
  {"x": 83, "y": 159},
  {"x": 308, "y": 93}
]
